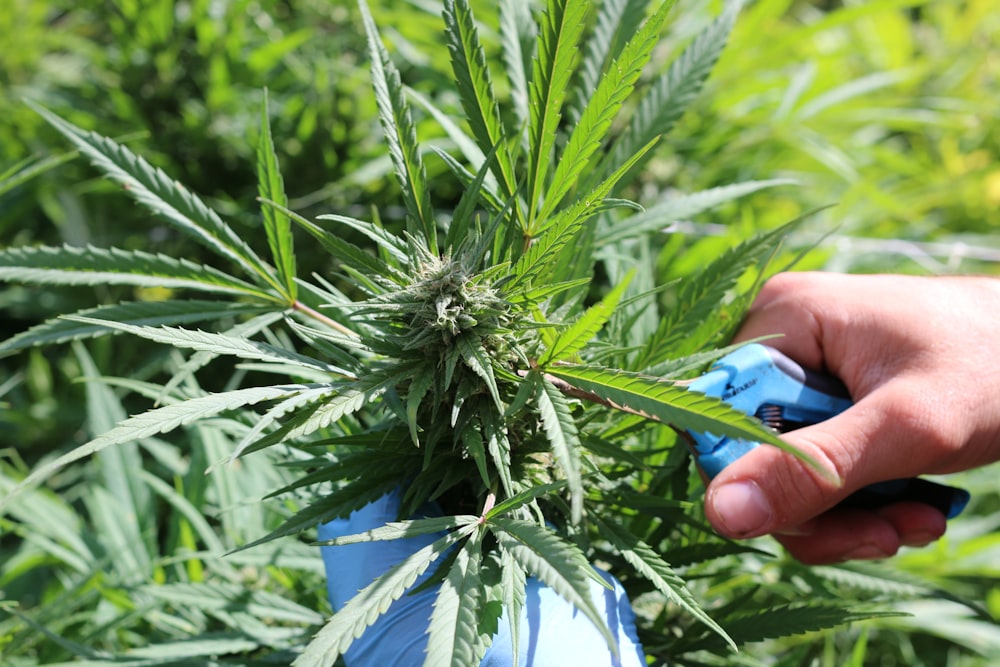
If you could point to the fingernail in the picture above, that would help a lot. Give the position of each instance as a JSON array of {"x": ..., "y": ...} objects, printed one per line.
[
  {"x": 865, "y": 552},
  {"x": 742, "y": 508}
]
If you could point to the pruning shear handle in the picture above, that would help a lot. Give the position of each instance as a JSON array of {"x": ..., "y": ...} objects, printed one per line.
[{"x": 761, "y": 381}]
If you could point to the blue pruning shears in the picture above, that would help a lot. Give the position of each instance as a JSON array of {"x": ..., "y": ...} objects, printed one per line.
[{"x": 763, "y": 382}]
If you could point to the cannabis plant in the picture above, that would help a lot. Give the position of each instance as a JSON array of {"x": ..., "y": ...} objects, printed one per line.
[{"x": 507, "y": 355}]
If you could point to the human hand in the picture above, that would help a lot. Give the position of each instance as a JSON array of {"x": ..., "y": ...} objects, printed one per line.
[
  {"x": 916, "y": 355},
  {"x": 552, "y": 631}
]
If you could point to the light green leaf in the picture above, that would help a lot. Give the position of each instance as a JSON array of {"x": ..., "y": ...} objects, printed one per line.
[
  {"x": 288, "y": 405},
  {"x": 658, "y": 217},
  {"x": 348, "y": 401},
  {"x": 572, "y": 339},
  {"x": 783, "y": 621},
  {"x": 525, "y": 497},
  {"x": 277, "y": 225},
  {"x": 218, "y": 597},
  {"x": 703, "y": 294},
  {"x": 343, "y": 251},
  {"x": 472, "y": 440},
  {"x": 153, "y": 422},
  {"x": 392, "y": 244},
  {"x": 419, "y": 387},
  {"x": 672, "y": 93},
  {"x": 562, "y": 26},
  {"x": 564, "y": 439},
  {"x": 374, "y": 600},
  {"x": 70, "y": 265},
  {"x": 475, "y": 88},
  {"x": 362, "y": 490},
  {"x": 616, "y": 22},
  {"x": 669, "y": 403},
  {"x": 605, "y": 102},
  {"x": 532, "y": 266},
  {"x": 140, "y": 313},
  {"x": 214, "y": 343},
  {"x": 513, "y": 582},
  {"x": 401, "y": 135},
  {"x": 517, "y": 35},
  {"x": 30, "y": 168},
  {"x": 397, "y": 530},
  {"x": 199, "y": 360},
  {"x": 453, "y": 633},
  {"x": 498, "y": 445},
  {"x": 162, "y": 195},
  {"x": 648, "y": 563},
  {"x": 477, "y": 359},
  {"x": 557, "y": 563}
]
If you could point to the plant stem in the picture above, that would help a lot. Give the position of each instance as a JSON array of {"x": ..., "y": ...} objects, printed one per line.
[{"x": 320, "y": 317}]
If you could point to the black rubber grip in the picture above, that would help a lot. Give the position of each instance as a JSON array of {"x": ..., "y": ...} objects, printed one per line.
[{"x": 949, "y": 500}]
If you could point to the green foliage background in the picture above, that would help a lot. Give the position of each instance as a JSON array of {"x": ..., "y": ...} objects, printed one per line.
[{"x": 886, "y": 108}]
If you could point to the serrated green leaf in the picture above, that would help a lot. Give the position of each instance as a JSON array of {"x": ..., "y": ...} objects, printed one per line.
[
  {"x": 139, "y": 313},
  {"x": 323, "y": 394},
  {"x": 340, "y": 503},
  {"x": 475, "y": 89},
  {"x": 343, "y": 251},
  {"x": 214, "y": 343},
  {"x": 397, "y": 530},
  {"x": 572, "y": 339},
  {"x": 671, "y": 404},
  {"x": 616, "y": 22},
  {"x": 70, "y": 265},
  {"x": 153, "y": 422},
  {"x": 561, "y": 27},
  {"x": 672, "y": 93},
  {"x": 392, "y": 244},
  {"x": 199, "y": 360},
  {"x": 162, "y": 195},
  {"x": 531, "y": 268},
  {"x": 517, "y": 36},
  {"x": 513, "y": 582},
  {"x": 401, "y": 136},
  {"x": 477, "y": 359},
  {"x": 419, "y": 387},
  {"x": 350, "y": 400},
  {"x": 557, "y": 563},
  {"x": 613, "y": 89},
  {"x": 277, "y": 225},
  {"x": 702, "y": 294},
  {"x": 781, "y": 621},
  {"x": 374, "y": 600},
  {"x": 563, "y": 439},
  {"x": 453, "y": 633},
  {"x": 498, "y": 445},
  {"x": 648, "y": 563},
  {"x": 658, "y": 217},
  {"x": 472, "y": 441},
  {"x": 525, "y": 497}
]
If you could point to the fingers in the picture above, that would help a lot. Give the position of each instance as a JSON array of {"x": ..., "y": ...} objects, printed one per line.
[{"x": 852, "y": 534}]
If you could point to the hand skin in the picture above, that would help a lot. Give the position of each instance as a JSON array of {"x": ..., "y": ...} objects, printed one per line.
[{"x": 918, "y": 355}]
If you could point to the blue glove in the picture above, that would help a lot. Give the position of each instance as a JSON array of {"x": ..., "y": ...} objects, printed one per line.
[{"x": 552, "y": 633}]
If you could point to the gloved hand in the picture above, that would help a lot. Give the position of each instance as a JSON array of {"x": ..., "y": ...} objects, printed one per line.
[{"x": 552, "y": 631}]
